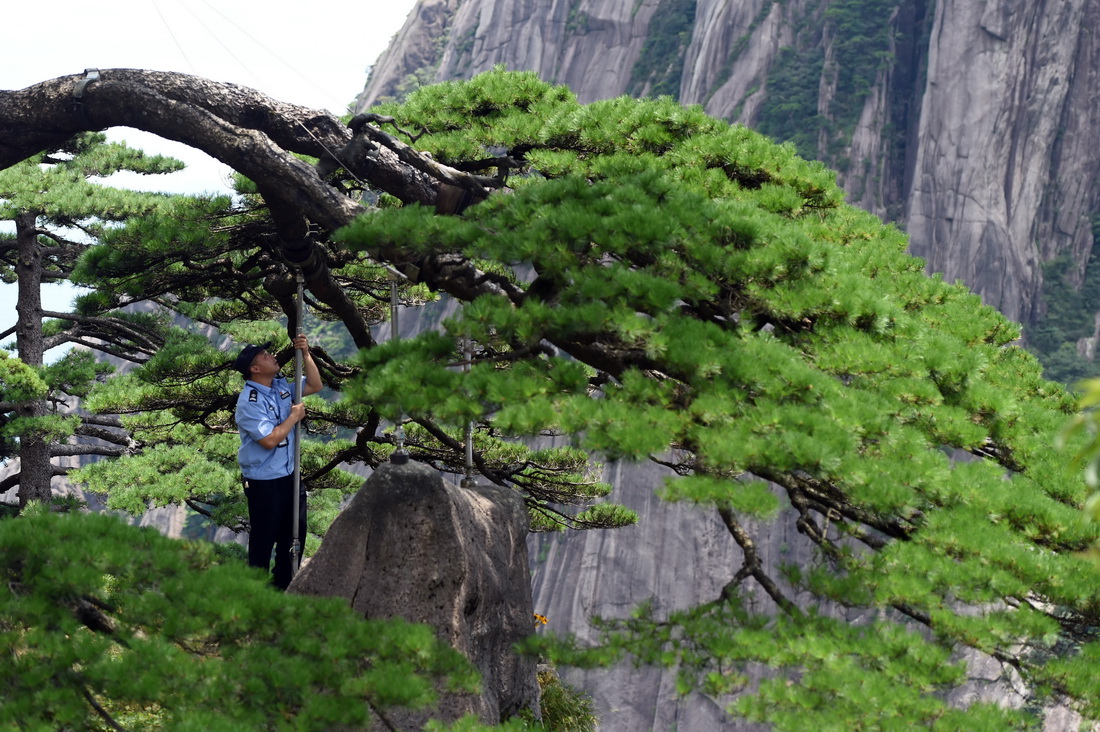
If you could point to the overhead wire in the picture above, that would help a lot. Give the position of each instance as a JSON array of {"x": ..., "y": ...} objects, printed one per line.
[
  {"x": 277, "y": 57},
  {"x": 332, "y": 152},
  {"x": 172, "y": 34},
  {"x": 217, "y": 39}
]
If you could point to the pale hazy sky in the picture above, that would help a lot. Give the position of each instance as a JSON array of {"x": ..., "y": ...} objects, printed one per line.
[{"x": 314, "y": 53}]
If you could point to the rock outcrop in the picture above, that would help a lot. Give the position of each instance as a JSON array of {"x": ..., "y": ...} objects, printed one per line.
[
  {"x": 587, "y": 45},
  {"x": 410, "y": 545}
]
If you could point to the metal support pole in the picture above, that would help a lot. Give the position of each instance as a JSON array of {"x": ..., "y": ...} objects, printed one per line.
[
  {"x": 400, "y": 455},
  {"x": 296, "y": 548},
  {"x": 468, "y": 353}
]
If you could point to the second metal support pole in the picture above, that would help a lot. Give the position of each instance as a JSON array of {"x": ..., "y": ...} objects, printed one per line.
[{"x": 296, "y": 549}]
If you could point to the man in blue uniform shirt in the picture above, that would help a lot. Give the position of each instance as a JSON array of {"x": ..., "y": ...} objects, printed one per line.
[{"x": 266, "y": 416}]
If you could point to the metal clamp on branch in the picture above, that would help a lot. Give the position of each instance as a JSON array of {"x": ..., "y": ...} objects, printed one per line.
[{"x": 78, "y": 97}]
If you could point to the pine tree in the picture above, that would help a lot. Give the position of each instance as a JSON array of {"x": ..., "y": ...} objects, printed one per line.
[
  {"x": 704, "y": 299},
  {"x": 221, "y": 268},
  {"x": 59, "y": 210}
]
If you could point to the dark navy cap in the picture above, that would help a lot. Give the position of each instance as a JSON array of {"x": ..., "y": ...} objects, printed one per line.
[{"x": 244, "y": 358}]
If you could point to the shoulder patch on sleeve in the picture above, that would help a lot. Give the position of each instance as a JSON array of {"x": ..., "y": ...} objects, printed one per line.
[{"x": 253, "y": 395}]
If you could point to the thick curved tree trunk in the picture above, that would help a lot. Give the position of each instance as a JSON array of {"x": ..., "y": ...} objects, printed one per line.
[{"x": 255, "y": 135}]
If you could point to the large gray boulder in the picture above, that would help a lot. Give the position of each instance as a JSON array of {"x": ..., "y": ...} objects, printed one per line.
[{"x": 413, "y": 546}]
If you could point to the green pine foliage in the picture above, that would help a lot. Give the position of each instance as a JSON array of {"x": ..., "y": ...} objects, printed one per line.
[
  {"x": 564, "y": 708},
  {"x": 703, "y": 298},
  {"x": 61, "y": 209},
  {"x": 151, "y": 633},
  {"x": 189, "y": 454},
  {"x": 56, "y": 184},
  {"x": 19, "y": 383},
  {"x": 76, "y": 373},
  {"x": 215, "y": 265},
  {"x": 1085, "y": 428}
]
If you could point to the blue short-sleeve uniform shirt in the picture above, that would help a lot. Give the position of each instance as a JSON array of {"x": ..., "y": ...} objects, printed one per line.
[{"x": 259, "y": 409}]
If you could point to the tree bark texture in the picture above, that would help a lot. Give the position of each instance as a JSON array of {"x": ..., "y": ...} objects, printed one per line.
[{"x": 35, "y": 471}]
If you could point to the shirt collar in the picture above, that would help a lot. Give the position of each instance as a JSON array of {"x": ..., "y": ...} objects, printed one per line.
[{"x": 266, "y": 389}]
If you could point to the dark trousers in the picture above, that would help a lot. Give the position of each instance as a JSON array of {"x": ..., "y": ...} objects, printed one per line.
[{"x": 271, "y": 515}]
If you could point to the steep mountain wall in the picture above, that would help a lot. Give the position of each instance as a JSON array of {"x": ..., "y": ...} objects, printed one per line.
[
  {"x": 1004, "y": 176},
  {"x": 585, "y": 45}
]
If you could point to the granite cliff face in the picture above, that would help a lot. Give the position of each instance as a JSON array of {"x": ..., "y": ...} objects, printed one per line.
[
  {"x": 970, "y": 124},
  {"x": 1005, "y": 172}
]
